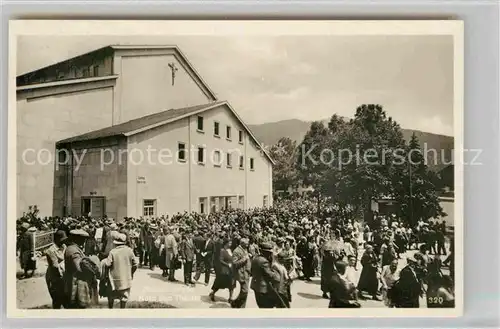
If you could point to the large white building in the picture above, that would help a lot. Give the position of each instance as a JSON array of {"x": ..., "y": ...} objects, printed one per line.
[{"x": 133, "y": 131}]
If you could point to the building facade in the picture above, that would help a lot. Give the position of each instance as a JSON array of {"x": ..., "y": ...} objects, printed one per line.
[{"x": 130, "y": 100}]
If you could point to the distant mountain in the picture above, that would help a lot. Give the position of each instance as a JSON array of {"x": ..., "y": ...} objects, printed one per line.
[{"x": 270, "y": 133}]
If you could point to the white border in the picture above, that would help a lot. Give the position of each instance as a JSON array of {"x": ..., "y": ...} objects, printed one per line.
[{"x": 244, "y": 28}]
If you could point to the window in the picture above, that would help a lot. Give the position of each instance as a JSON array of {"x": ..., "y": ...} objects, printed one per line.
[
  {"x": 203, "y": 205},
  {"x": 96, "y": 71},
  {"x": 200, "y": 123},
  {"x": 201, "y": 155},
  {"x": 86, "y": 73},
  {"x": 241, "y": 202},
  {"x": 265, "y": 201},
  {"x": 216, "y": 129},
  {"x": 181, "y": 152},
  {"x": 59, "y": 74},
  {"x": 251, "y": 164},
  {"x": 229, "y": 157},
  {"x": 149, "y": 207},
  {"x": 228, "y": 133},
  {"x": 241, "y": 162},
  {"x": 240, "y": 137},
  {"x": 217, "y": 159}
]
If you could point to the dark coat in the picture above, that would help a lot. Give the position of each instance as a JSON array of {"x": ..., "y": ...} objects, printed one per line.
[
  {"x": 241, "y": 264},
  {"x": 340, "y": 293},
  {"x": 226, "y": 261},
  {"x": 262, "y": 275},
  {"x": 407, "y": 290},
  {"x": 76, "y": 289},
  {"x": 368, "y": 278},
  {"x": 187, "y": 250},
  {"x": 146, "y": 239}
]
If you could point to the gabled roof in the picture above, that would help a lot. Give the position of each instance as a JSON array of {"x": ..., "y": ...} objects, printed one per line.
[
  {"x": 126, "y": 50},
  {"x": 148, "y": 122}
]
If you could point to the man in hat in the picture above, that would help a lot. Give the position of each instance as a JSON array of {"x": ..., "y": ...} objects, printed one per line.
[
  {"x": 264, "y": 278},
  {"x": 241, "y": 272},
  {"x": 206, "y": 254},
  {"x": 187, "y": 254},
  {"x": 76, "y": 295},
  {"x": 27, "y": 257},
  {"x": 121, "y": 264},
  {"x": 55, "y": 269},
  {"x": 171, "y": 254},
  {"x": 408, "y": 289},
  {"x": 107, "y": 244}
]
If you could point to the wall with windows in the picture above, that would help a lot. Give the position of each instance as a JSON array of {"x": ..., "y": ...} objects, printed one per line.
[
  {"x": 259, "y": 177},
  {"x": 219, "y": 180},
  {"x": 95, "y": 64},
  {"x": 210, "y": 177},
  {"x": 159, "y": 176}
]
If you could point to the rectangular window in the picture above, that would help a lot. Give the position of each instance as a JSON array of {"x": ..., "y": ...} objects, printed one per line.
[
  {"x": 240, "y": 137},
  {"x": 182, "y": 152},
  {"x": 86, "y": 72},
  {"x": 149, "y": 207},
  {"x": 200, "y": 123},
  {"x": 228, "y": 133},
  {"x": 216, "y": 129},
  {"x": 217, "y": 159},
  {"x": 60, "y": 74},
  {"x": 203, "y": 205},
  {"x": 251, "y": 164},
  {"x": 201, "y": 155},
  {"x": 241, "y": 162},
  {"x": 229, "y": 158},
  {"x": 265, "y": 201},
  {"x": 241, "y": 202},
  {"x": 96, "y": 70}
]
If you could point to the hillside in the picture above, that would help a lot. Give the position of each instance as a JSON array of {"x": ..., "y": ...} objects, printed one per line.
[{"x": 270, "y": 133}]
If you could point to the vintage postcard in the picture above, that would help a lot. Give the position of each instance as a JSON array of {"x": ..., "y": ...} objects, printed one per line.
[{"x": 282, "y": 168}]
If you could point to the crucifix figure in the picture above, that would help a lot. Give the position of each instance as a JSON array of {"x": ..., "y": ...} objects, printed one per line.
[{"x": 174, "y": 69}]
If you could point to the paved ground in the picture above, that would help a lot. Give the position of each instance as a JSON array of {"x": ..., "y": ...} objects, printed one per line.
[{"x": 150, "y": 286}]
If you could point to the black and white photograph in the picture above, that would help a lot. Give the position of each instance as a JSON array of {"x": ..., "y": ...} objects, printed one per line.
[{"x": 212, "y": 166}]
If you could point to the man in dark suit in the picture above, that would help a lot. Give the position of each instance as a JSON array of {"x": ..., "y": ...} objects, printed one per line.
[
  {"x": 187, "y": 253},
  {"x": 264, "y": 277},
  {"x": 241, "y": 272},
  {"x": 199, "y": 246},
  {"x": 408, "y": 289},
  {"x": 206, "y": 254},
  {"x": 342, "y": 292},
  {"x": 144, "y": 247}
]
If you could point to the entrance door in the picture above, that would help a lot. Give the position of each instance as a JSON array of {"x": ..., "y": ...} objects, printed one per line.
[
  {"x": 95, "y": 205},
  {"x": 86, "y": 206}
]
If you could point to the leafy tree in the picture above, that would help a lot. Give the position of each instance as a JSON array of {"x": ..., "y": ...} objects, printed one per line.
[
  {"x": 284, "y": 169},
  {"x": 416, "y": 188},
  {"x": 369, "y": 147}
]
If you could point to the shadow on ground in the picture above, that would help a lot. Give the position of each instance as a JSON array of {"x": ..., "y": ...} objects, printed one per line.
[
  {"x": 158, "y": 276},
  {"x": 131, "y": 304},
  {"x": 309, "y": 296},
  {"x": 206, "y": 299}
]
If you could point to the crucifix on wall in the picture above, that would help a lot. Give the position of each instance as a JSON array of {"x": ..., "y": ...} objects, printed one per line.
[{"x": 174, "y": 69}]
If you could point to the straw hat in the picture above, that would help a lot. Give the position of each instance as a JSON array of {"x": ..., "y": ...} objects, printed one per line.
[
  {"x": 79, "y": 232},
  {"x": 119, "y": 238}
]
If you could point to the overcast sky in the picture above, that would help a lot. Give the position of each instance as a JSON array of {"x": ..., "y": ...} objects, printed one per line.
[{"x": 270, "y": 79}]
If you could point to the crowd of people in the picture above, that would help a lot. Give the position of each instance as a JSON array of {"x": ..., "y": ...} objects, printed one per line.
[{"x": 263, "y": 249}]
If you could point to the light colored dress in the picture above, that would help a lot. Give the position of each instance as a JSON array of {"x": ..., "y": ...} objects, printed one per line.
[{"x": 388, "y": 278}]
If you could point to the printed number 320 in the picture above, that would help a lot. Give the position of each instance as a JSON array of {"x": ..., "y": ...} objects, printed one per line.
[{"x": 436, "y": 300}]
